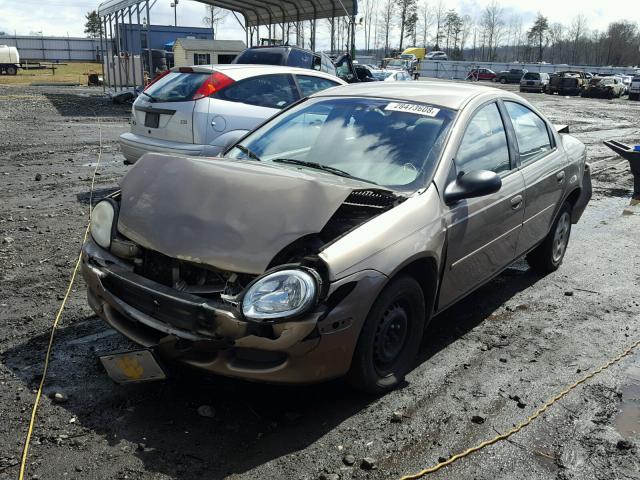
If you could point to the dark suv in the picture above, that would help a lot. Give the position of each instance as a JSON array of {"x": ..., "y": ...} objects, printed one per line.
[
  {"x": 511, "y": 76},
  {"x": 292, "y": 56}
]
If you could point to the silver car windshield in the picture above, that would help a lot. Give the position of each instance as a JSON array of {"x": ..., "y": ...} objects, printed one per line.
[{"x": 391, "y": 143}]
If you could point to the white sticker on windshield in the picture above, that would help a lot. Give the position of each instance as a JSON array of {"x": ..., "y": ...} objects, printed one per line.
[{"x": 426, "y": 110}]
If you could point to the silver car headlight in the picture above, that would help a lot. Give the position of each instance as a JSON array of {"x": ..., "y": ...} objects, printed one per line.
[
  {"x": 281, "y": 294},
  {"x": 102, "y": 218}
]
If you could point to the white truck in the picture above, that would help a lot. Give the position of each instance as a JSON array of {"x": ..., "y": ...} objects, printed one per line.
[{"x": 9, "y": 60}]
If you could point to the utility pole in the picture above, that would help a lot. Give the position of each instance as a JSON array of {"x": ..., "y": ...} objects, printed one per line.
[{"x": 174, "y": 4}]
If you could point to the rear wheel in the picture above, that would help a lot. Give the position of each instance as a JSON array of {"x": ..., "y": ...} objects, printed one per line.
[
  {"x": 503, "y": 80},
  {"x": 390, "y": 338},
  {"x": 548, "y": 256},
  {"x": 11, "y": 70}
]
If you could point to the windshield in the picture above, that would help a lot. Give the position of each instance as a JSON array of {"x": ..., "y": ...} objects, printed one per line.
[
  {"x": 531, "y": 76},
  {"x": 381, "y": 74},
  {"x": 262, "y": 56},
  {"x": 388, "y": 143},
  {"x": 176, "y": 87},
  {"x": 396, "y": 63}
]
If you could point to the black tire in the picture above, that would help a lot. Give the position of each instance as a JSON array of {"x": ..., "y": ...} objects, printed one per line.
[
  {"x": 548, "y": 256},
  {"x": 11, "y": 70},
  {"x": 503, "y": 80},
  {"x": 633, "y": 96},
  {"x": 522, "y": 89},
  {"x": 390, "y": 338}
]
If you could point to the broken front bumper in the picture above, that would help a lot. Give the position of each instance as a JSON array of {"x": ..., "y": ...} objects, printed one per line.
[{"x": 215, "y": 337}]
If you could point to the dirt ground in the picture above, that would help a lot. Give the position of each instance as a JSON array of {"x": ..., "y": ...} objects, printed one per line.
[
  {"x": 68, "y": 73},
  {"x": 485, "y": 364}
]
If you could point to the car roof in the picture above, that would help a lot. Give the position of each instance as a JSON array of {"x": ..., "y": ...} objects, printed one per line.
[
  {"x": 447, "y": 94},
  {"x": 239, "y": 71}
]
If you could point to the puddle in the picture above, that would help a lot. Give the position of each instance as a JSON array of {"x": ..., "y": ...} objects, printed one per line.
[{"x": 627, "y": 421}]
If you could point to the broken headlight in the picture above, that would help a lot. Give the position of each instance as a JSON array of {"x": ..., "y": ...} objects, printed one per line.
[
  {"x": 102, "y": 222},
  {"x": 281, "y": 294}
]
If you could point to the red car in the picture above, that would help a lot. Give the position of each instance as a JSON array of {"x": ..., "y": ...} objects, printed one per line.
[{"x": 481, "y": 74}]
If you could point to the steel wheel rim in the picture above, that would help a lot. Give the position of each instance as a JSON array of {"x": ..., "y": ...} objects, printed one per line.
[
  {"x": 561, "y": 237},
  {"x": 391, "y": 337}
]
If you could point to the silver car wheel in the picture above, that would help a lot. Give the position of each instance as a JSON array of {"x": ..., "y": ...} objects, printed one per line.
[{"x": 561, "y": 237}]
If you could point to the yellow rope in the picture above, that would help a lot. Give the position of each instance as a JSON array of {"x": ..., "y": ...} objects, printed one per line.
[
  {"x": 34, "y": 410},
  {"x": 521, "y": 425}
]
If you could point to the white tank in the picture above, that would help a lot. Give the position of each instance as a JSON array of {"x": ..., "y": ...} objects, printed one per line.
[{"x": 9, "y": 55}]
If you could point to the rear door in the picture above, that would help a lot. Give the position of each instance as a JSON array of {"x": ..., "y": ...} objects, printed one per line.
[
  {"x": 248, "y": 102},
  {"x": 482, "y": 233},
  {"x": 165, "y": 110},
  {"x": 543, "y": 166}
]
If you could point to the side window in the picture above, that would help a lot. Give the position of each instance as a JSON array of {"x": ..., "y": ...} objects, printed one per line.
[
  {"x": 202, "y": 59},
  {"x": 317, "y": 62},
  {"x": 309, "y": 84},
  {"x": 484, "y": 145},
  {"x": 531, "y": 132},
  {"x": 299, "y": 58},
  {"x": 272, "y": 91}
]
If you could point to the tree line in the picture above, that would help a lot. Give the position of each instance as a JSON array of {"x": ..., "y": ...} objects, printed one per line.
[{"x": 494, "y": 34}]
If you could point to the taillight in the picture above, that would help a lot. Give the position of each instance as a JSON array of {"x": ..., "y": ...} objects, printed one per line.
[
  {"x": 158, "y": 77},
  {"x": 214, "y": 83}
]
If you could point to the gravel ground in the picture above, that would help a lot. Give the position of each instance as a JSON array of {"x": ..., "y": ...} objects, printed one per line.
[{"x": 485, "y": 365}]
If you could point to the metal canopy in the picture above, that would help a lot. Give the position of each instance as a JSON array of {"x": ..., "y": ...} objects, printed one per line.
[{"x": 263, "y": 12}]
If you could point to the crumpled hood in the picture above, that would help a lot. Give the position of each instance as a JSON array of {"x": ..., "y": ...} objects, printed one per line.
[{"x": 234, "y": 215}]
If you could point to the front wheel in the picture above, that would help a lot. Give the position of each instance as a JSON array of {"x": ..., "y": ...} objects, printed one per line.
[
  {"x": 390, "y": 338},
  {"x": 503, "y": 81},
  {"x": 548, "y": 256},
  {"x": 11, "y": 70}
]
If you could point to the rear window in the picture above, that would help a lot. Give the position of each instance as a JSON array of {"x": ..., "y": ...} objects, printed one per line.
[
  {"x": 531, "y": 76},
  {"x": 261, "y": 57},
  {"x": 271, "y": 91},
  {"x": 176, "y": 87},
  {"x": 299, "y": 58}
]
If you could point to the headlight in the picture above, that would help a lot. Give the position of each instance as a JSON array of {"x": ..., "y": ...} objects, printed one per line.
[
  {"x": 102, "y": 223},
  {"x": 280, "y": 294}
]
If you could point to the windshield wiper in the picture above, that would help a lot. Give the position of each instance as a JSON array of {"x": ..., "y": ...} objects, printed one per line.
[
  {"x": 319, "y": 166},
  {"x": 248, "y": 152},
  {"x": 153, "y": 99}
]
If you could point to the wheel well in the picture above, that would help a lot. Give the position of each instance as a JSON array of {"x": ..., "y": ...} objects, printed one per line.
[
  {"x": 425, "y": 272},
  {"x": 573, "y": 197}
]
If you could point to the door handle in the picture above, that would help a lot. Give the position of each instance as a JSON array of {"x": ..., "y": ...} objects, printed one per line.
[
  {"x": 560, "y": 176},
  {"x": 516, "y": 202}
]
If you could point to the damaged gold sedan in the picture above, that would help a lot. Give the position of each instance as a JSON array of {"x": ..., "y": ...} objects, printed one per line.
[{"x": 321, "y": 244}]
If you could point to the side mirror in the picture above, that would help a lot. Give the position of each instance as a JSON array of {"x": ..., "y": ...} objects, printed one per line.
[{"x": 477, "y": 183}]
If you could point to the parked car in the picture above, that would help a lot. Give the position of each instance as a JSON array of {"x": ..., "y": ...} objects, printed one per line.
[
  {"x": 481, "y": 74},
  {"x": 364, "y": 73},
  {"x": 392, "y": 75},
  {"x": 200, "y": 110},
  {"x": 436, "y": 55},
  {"x": 513, "y": 75},
  {"x": 634, "y": 88},
  {"x": 399, "y": 64},
  {"x": 534, "y": 82},
  {"x": 292, "y": 56},
  {"x": 325, "y": 240},
  {"x": 568, "y": 83},
  {"x": 604, "y": 87},
  {"x": 626, "y": 81}
]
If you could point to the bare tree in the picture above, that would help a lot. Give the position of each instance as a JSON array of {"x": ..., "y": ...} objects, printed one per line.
[
  {"x": 556, "y": 37},
  {"x": 386, "y": 22},
  {"x": 439, "y": 14},
  {"x": 214, "y": 17},
  {"x": 577, "y": 30},
  {"x": 368, "y": 8},
  {"x": 493, "y": 24},
  {"x": 426, "y": 21}
]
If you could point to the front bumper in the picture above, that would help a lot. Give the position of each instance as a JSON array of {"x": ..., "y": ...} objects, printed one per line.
[
  {"x": 134, "y": 146},
  {"x": 216, "y": 338}
]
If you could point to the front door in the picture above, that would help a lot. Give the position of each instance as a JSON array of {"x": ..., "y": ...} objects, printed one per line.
[
  {"x": 482, "y": 233},
  {"x": 543, "y": 168}
]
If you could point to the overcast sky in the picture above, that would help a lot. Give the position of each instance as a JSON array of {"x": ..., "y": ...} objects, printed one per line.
[{"x": 62, "y": 17}]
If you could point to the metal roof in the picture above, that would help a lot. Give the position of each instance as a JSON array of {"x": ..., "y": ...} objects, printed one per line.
[
  {"x": 446, "y": 94},
  {"x": 262, "y": 12},
  {"x": 215, "y": 45}
]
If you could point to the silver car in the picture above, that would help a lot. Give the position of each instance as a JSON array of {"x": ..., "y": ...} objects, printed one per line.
[
  {"x": 202, "y": 109},
  {"x": 534, "y": 82},
  {"x": 323, "y": 242}
]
